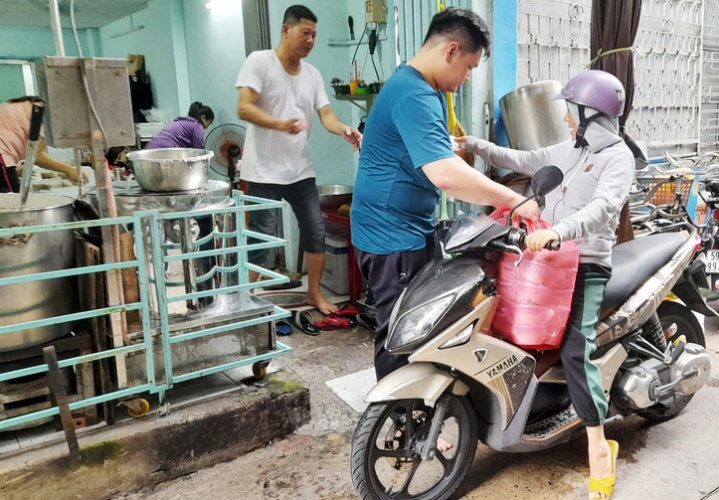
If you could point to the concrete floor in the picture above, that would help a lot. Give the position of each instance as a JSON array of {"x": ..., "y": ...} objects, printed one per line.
[{"x": 677, "y": 460}]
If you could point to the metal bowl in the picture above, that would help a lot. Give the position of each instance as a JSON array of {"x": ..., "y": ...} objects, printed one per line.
[
  {"x": 171, "y": 169},
  {"x": 334, "y": 195}
]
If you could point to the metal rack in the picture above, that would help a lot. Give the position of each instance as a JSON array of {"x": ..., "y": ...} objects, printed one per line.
[{"x": 160, "y": 337}]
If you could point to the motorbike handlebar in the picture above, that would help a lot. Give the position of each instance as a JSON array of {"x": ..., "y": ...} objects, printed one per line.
[{"x": 553, "y": 246}]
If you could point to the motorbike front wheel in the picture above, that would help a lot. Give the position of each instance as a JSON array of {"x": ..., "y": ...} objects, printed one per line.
[{"x": 385, "y": 459}]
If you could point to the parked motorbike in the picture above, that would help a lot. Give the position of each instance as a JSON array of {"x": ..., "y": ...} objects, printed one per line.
[{"x": 463, "y": 385}]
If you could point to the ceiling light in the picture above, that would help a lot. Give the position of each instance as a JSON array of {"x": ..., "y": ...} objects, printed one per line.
[{"x": 220, "y": 3}]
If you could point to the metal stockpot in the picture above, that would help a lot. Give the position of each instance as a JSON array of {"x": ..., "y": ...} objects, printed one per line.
[
  {"x": 182, "y": 236},
  {"x": 36, "y": 253},
  {"x": 532, "y": 119}
]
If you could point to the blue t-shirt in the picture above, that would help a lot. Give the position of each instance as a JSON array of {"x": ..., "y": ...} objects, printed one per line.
[{"x": 394, "y": 201}]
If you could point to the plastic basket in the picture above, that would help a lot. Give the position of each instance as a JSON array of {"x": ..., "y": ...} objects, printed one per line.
[
  {"x": 665, "y": 194},
  {"x": 701, "y": 215}
]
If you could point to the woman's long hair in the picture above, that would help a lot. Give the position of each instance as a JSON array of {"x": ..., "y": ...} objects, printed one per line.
[{"x": 197, "y": 110}]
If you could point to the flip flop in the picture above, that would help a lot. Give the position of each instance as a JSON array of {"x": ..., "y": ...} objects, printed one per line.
[
  {"x": 335, "y": 323},
  {"x": 301, "y": 320},
  {"x": 346, "y": 311},
  {"x": 605, "y": 485},
  {"x": 283, "y": 328},
  {"x": 368, "y": 321},
  {"x": 282, "y": 286}
]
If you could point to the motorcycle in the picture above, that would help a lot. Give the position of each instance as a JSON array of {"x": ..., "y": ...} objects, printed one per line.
[{"x": 418, "y": 436}]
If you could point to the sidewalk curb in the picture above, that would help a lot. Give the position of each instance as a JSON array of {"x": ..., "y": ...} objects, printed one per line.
[{"x": 133, "y": 455}]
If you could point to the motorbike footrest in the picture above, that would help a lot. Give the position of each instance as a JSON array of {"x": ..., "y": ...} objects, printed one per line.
[{"x": 551, "y": 425}]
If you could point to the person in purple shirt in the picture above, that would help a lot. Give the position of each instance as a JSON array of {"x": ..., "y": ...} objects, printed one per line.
[{"x": 185, "y": 131}]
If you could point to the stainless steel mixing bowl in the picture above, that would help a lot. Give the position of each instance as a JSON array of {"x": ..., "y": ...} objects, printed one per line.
[{"x": 171, "y": 169}]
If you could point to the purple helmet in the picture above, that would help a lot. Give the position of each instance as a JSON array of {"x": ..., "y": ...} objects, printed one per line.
[{"x": 597, "y": 89}]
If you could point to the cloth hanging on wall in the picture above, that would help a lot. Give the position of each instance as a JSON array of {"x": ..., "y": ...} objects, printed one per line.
[{"x": 615, "y": 24}]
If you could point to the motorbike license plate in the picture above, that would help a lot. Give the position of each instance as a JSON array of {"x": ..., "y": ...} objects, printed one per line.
[{"x": 713, "y": 261}]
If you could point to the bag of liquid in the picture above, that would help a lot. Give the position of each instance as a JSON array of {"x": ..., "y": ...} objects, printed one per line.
[{"x": 535, "y": 298}]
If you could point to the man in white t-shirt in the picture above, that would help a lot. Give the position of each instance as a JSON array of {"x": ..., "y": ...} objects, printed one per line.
[{"x": 278, "y": 95}]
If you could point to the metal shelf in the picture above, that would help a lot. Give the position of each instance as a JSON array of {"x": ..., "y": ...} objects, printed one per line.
[
  {"x": 368, "y": 99},
  {"x": 349, "y": 43}
]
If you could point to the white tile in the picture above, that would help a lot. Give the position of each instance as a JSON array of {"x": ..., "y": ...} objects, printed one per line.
[{"x": 353, "y": 388}]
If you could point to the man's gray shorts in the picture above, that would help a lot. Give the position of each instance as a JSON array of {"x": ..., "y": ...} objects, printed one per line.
[{"x": 305, "y": 202}]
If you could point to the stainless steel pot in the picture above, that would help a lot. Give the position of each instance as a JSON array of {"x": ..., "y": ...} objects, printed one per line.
[
  {"x": 334, "y": 195},
  {"x": 36, "y": 253},
  {"x": 171, "y": 169},
  {"x": 532, "y": 119},
  {"x": 181, "y": 236}
]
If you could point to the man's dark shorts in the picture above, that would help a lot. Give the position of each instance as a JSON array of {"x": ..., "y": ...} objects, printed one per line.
[{"x": 305, "y": 202}]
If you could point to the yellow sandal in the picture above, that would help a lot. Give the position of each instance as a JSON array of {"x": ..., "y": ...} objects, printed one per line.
[{"x": 605, "y": 485}]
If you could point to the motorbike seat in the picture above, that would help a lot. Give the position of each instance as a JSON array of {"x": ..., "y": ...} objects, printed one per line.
[{"x": 634, "y": 262}]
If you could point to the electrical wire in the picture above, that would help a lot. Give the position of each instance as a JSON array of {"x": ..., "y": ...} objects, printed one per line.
[
  {"x": 375, "y": 67},
  {"x": 84, "y": 77},
  {"x": 358, "y": 45},
  {"x": 74, "y": 28}
]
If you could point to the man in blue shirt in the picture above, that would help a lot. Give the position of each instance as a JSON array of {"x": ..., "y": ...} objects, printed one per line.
[{"x": 407, "y": 158}]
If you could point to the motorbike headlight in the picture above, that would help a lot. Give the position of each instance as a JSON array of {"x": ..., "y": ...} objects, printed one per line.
[{"x": 418, "y": 323}]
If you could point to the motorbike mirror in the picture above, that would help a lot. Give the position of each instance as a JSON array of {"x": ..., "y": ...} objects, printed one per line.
[{"x": 546, "y": 180}]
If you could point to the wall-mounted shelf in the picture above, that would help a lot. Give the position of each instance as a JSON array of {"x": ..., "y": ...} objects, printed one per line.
[
  {"x": 348, "y": 43},
  {"x": 367, "y": 99}
]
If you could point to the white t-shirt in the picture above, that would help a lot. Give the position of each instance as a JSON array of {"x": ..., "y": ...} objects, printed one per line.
[{"x": 273, "y": 156}]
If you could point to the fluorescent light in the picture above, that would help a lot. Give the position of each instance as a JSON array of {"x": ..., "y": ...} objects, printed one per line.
[
  {"x": 128, "y": 31},
  {"x": 220, "y": 3}
]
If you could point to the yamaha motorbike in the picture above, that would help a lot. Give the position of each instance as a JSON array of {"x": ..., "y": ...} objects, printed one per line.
[{"x": 464, "y": 385}]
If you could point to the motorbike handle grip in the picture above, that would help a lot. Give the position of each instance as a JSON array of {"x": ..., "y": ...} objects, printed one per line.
[
  {"x": 38, "y": 110},
  {"x": 554, "y": 246}
]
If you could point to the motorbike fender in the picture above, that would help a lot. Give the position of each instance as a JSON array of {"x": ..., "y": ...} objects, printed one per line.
[
  {"x": 686, "y": 289},
  {"x": 415, "y": 381}
]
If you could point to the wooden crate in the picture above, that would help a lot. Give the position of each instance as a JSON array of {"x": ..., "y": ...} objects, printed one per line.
[{"x": 30, "y": 394}]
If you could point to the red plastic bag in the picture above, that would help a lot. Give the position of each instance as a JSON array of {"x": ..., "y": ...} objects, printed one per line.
[{"x": 535, "y": 298}]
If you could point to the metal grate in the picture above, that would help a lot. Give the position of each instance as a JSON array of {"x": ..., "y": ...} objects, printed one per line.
[
  {"x": 553, "y": 39},
  {"x": 667, "y": 90},
  {"x": 675, "y": 107},
  {"x": 710, "y": 79}
]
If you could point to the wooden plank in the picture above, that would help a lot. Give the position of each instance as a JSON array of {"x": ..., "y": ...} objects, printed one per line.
[{"x": 58, "y": 397}]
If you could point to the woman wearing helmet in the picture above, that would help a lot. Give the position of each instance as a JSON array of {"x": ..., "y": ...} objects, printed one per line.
[{"x": 598, "y": 169}]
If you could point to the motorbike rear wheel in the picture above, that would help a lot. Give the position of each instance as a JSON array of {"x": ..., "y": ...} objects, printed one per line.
[
  {"x": 385, "y": 460},
  {"x": 687, "y": 324}
]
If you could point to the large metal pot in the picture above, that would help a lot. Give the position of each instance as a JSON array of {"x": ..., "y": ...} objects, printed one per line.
[
  {"x": 36, "y": 253},
  {"x": 171, "y": 169},
  {"x": 532, "y": 119},
  {"x": 334, "y": 195},
  {"x": 181, "y": 236}
]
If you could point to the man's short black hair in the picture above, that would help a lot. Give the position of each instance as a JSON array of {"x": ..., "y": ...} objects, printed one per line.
[
  {"x": 463, "y": 26},
  {"x": 297, "y": 13}
]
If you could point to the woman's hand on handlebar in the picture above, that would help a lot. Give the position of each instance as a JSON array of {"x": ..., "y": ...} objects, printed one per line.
[{"x": 540, "y": 239}]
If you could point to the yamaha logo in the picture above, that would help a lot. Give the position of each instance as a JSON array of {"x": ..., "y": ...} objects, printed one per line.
[{"x": 480, "y": 354}]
